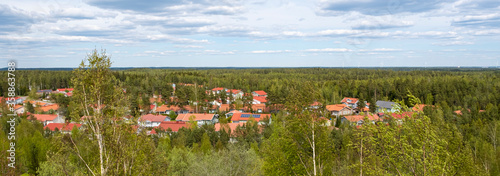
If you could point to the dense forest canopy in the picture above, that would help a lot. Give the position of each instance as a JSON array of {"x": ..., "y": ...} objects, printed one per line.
[
  {"x": 295, "y": 142},
  {"x": 456, "y": 88}
]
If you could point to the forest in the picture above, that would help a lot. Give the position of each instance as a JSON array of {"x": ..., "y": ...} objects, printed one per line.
[{"x": 294, "y": 141}]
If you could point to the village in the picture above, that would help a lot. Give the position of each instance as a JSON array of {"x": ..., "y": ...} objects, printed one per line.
[{"x": 163, "y": 117}]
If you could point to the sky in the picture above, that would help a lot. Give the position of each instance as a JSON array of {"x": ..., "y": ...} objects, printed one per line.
[{"x": 252, "y": 33}]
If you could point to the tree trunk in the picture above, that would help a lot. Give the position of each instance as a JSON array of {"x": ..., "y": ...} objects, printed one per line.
[{"x": 314, "y": 149}]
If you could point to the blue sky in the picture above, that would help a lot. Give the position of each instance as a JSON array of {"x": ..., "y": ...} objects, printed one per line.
[{"x": 252, "y": 33}]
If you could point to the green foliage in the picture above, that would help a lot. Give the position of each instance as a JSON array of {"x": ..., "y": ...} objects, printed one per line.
[{"x": 435, "y": 142}]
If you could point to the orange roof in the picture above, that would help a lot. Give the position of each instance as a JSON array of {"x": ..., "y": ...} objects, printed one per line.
[
  {"x": 152, "y": 99},
  {"x": 18, "y": 106},
  {"x": 224, "y": 107},
  {"x": 197, "y": 117},
  {"x": 173, "y": 125},
  {"x": 356, "y": 118},
  {"x": 336, "y": 107},
  {"x": 420, "y": 107},
  {"x": 175, "y": 108},
  {"x": 352, "y": 100},
  {"x": 228, "y": 126},
  {"x": 37, "y": 103},
  {"x": 246, "y": 116},
  {"x": 255, "y": 107},
  {"x": 459, "y": 112},
  {"x": 260, "y": 92},
  {"x": 153, "y": 118},
  {"x": 316, "y": 103},
  {"x": 62, "y": 126},
  {"x": 218, "y": 89},
  {"x": 260, "y": 99},
  {"x": 43, "y": 117},
  {"x": 46, "y": 108},
  {"x": 366, "y": 108}
]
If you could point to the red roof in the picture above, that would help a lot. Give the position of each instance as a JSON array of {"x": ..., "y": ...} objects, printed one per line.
[
  {"x": 260, "y": 92},
  {"x": 260, "y": 99},
  {"x": 65, "y": 89},
  {"x": 233, "y": 91},
  {"x": 246, "y": 116},
  {"x": 218, "y": 89},
  {"x": 43, "y": 117},
  {"x": 402, "y": 115},
  {"x": 174, "y": 125},
  {"x": 197, "y": 117},
  {"x": 152, "y": 118},
  {"x": 62, "y": 126},
  {"x": 336, "y": 107},
  {"x": 356, "y": 118},
  {"x": 349, "y": 100}
]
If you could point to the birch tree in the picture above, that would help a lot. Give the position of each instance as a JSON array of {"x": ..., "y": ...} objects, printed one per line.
[{"x": 99, "y": 95}]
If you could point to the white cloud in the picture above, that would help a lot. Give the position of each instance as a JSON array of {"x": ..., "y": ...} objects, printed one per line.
[
  {"x": 328, "y": 50},
  {"x": 269, "y": 51}
]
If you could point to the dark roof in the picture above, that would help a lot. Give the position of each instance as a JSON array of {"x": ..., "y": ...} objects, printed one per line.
[{"x": 385, "y": 104}]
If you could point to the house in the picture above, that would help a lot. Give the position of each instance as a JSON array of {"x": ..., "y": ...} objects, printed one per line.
[
  {"x": 18, "y": 109},
  {"x": 200, "y": 118},
  {"x": 237, "y": 94},
  {"x": 68, "y": 92},
  {"x": 35, "y": 103},
  {"x": 366, "y": 108},
  {"x": 420, "y": 107},
  {"x": 351, "y": 102},
  {"x": 360, "y": 119},
  {"x": 386, "y": 106},
  {"x": 172, "y": 126},
  {"x": 47, "y": 118},
  {"x": 275, "y": 108},
  {"x": 46, "y": 91},
  {"x": 459, "y": 112},
  {"x": 244, "y": 117},
  {"x": 339, "y": 109},
  {"x": 258, "y": 108},
  {"x": 64, "y": 90},
  {"x": 398, "y": 117},
  {"x": 259, "y": 93},
  {"x": 151, "y": 120},
  {"x": 155, "y": 100},
  {"x": 218, "y": 90},
  {"x": 259, "y": 100},
  {"x": 15, "y": 100},
  {"x": 62, "y": 127},
  {"x": 224, "y": 108},
  {"x": 47, "y": 108},
  {"x": 315, "y": 105},
  {"x": 229, "y": 127},
  {"x": 165, "y": 109}
]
